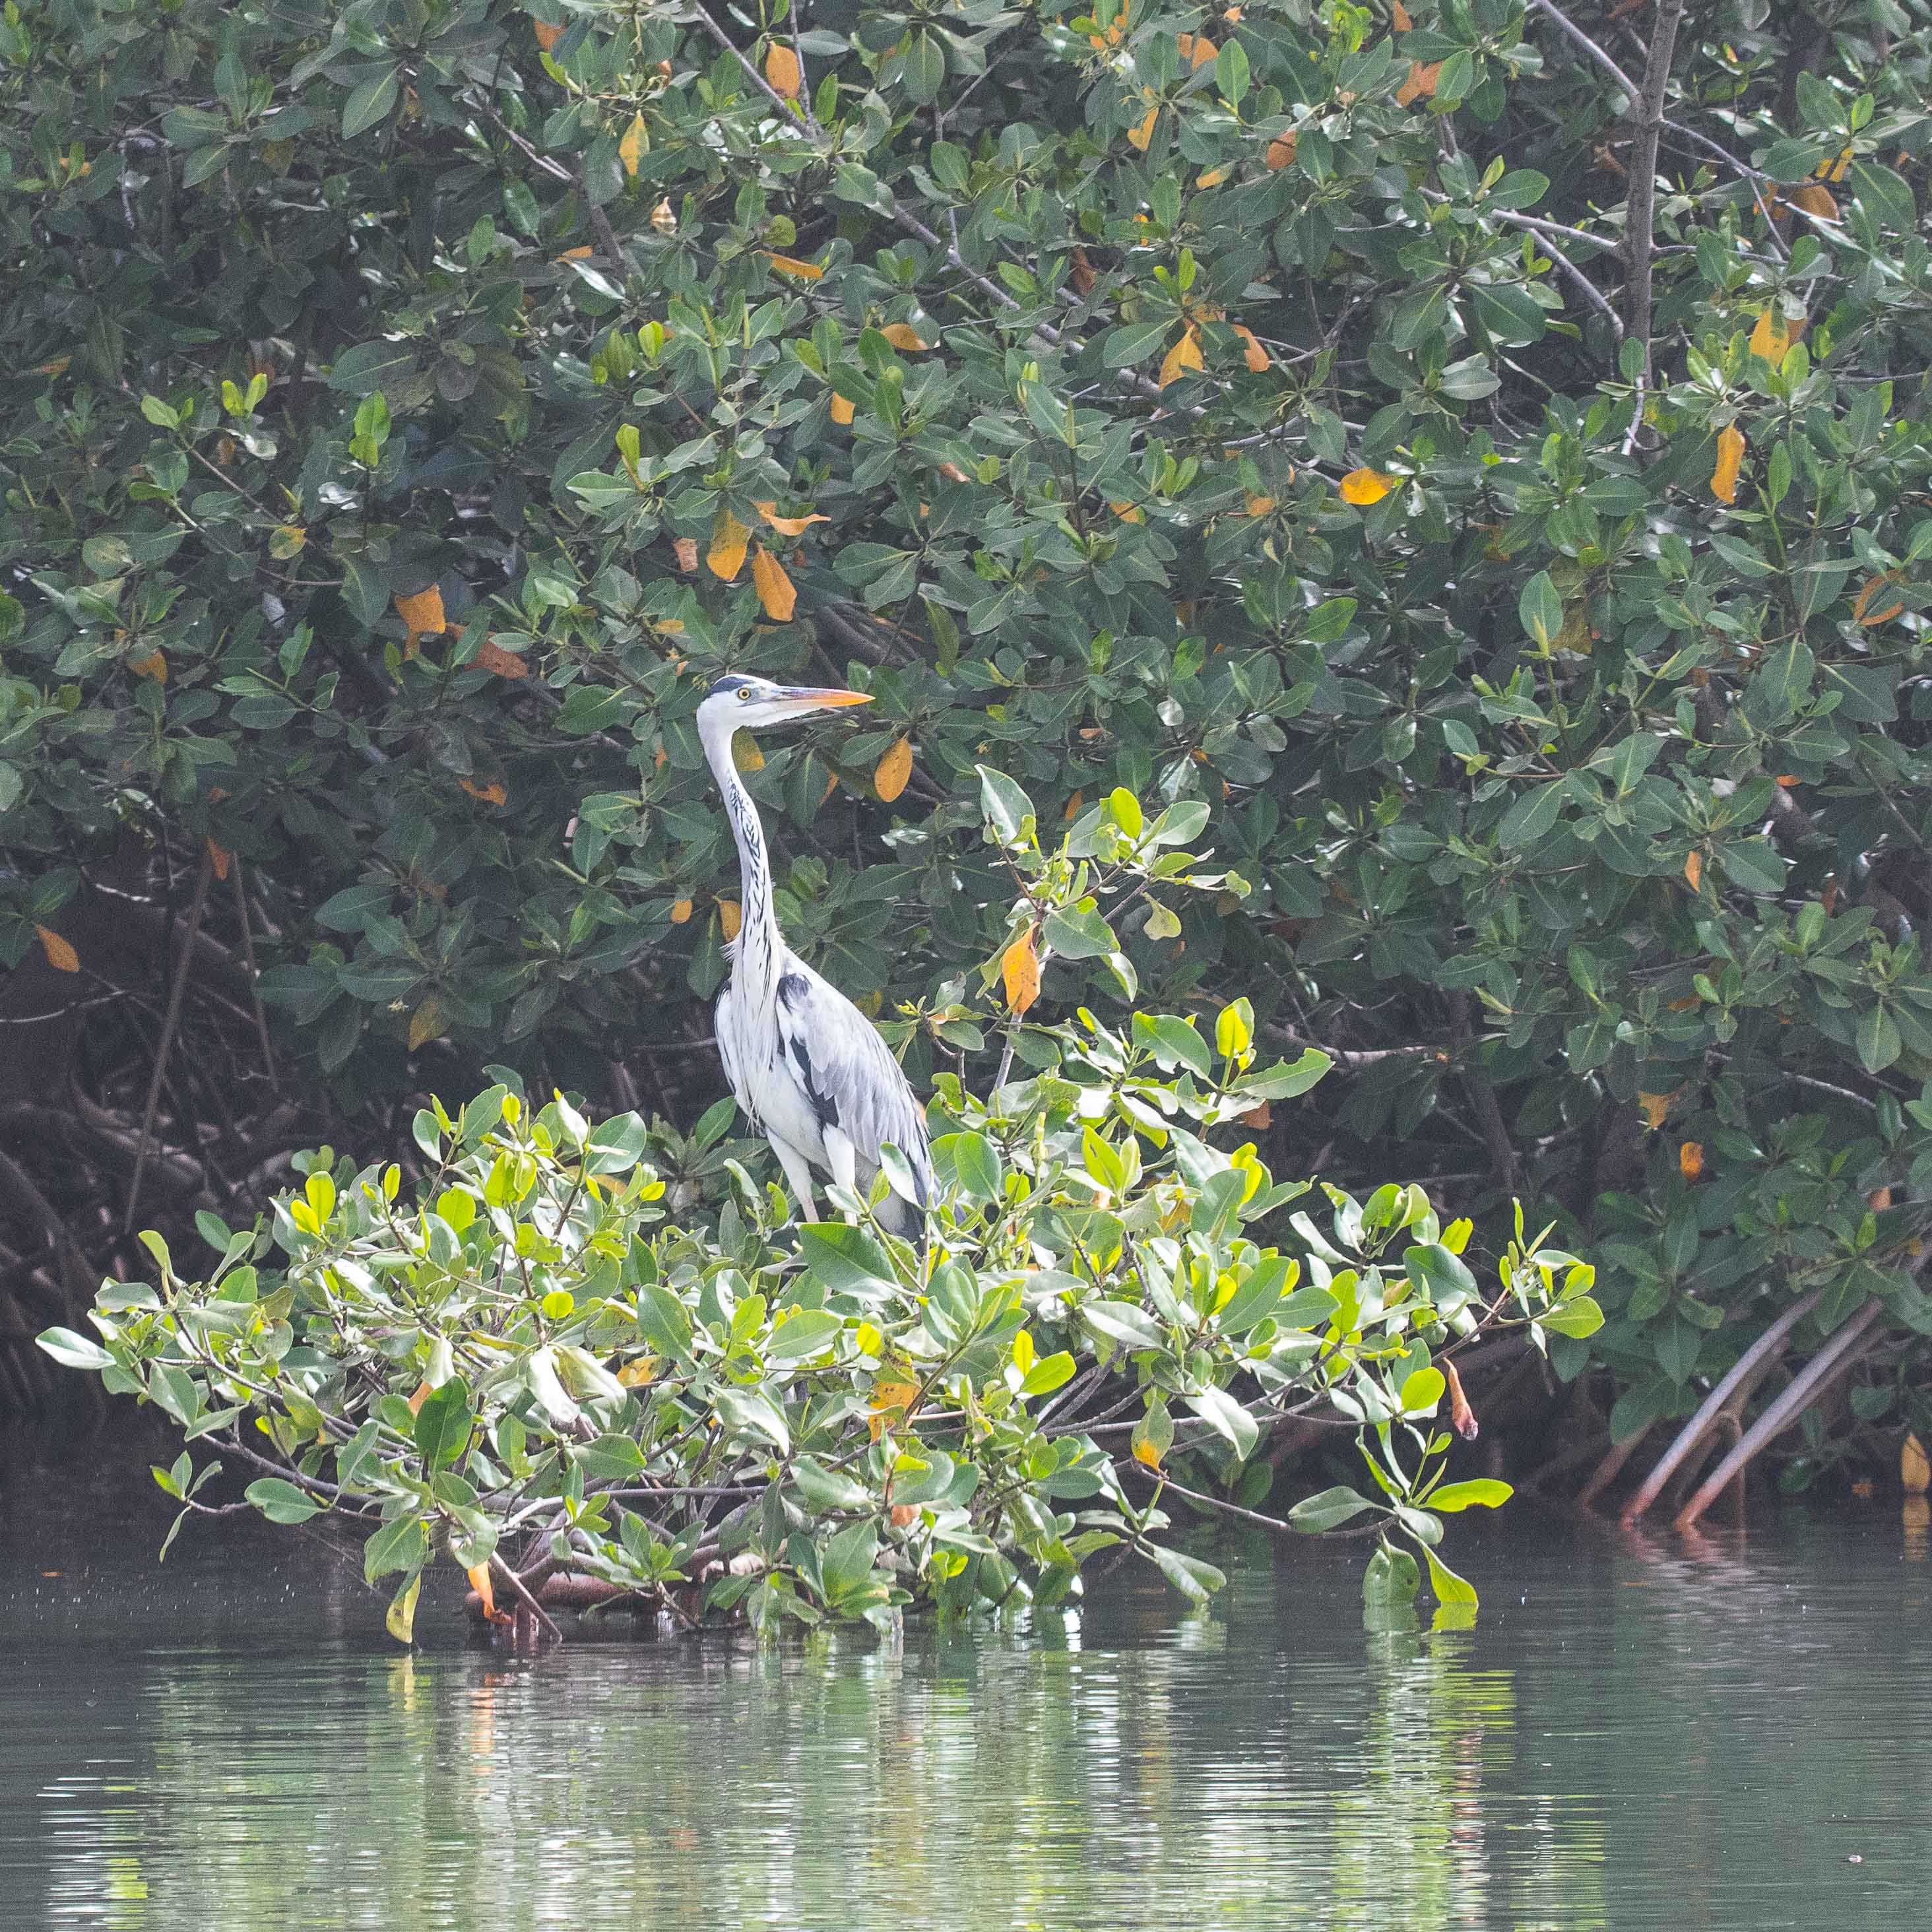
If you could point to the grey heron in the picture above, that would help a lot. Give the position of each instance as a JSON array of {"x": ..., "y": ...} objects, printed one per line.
[{"x": 809, "y": 1070}]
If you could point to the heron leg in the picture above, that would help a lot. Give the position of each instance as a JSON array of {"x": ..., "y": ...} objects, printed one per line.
[
  {"x": 798, "y": 1171},
  {"x": 842, "y": 1158}
]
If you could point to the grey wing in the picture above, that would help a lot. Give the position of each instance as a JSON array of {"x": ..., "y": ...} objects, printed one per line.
[{"x": 853, "y": 1083}]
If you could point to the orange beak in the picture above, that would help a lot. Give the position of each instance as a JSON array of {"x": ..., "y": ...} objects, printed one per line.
[{"x": 804, "y": 697}]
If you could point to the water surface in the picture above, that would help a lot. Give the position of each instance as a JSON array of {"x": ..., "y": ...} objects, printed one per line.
[{"x": 1638, "y": 1734}]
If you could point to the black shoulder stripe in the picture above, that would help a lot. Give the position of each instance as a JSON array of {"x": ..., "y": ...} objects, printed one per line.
[
  {"x": 824, "y": 1107},
  {"x": 792, "y": 987}
]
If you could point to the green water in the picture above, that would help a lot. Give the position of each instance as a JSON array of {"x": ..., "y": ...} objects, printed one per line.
[{"x": 1637, "y": 1734}]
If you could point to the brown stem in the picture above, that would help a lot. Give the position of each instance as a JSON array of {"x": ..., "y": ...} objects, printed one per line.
[
  {"x": 1693, "y": 1431},
  {"x": 197, "y": 907},
  {"x": 1640, "y": 210},
  {"x": 1607, "y": 1470},
  {"x": 1838, "y": 1354},
  {"x": 1482, "y": 1096}
]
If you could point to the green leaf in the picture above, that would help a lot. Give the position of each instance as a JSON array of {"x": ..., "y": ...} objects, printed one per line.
[
  {"x": 281, "y": 1502},
  {"x": 1257, "y": 1295},
  {"x": 1541, "y": 610},
  {"x": 403, "y": 1544},
  {"x": 368, "y": 103},
  {"x": 1328, "y": 1509},
  {"x": 1228, "y": 1418},
  {"x": 846, "y": 1259},
  {"x": 443, "y": 1424},
  {"x": 1188, "y": 1574},
  {"x": 72, "y": 1351},
  {"x": 1450, "y": 1589},
  {"x": 976, "y": 1167},
  {"x": 1480, "y": 1492},
  {"x": 1532, "y": 817},
  {"x": 611, "y": 1458},
  {"x": 1579, "y": 1317}
]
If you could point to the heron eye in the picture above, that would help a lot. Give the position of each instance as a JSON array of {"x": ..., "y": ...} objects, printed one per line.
[{"x": 744, "y": 694}]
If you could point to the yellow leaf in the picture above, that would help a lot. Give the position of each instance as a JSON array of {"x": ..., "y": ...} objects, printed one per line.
[
  {"x": 791, "y": 526},
  {"x": 663, "y": 218},
  {"x": 730, "y": 917},
  {"x": 423, "y": 1392},
  {"x": 1878, "y": 1199},
  {"x": 889, "y": 777},
  {"x": 1694, "y": 872},
  {"x": 401, "y": 1619},
  {"x": 782, "y": 71},
  {"x": 1260, "y": 1117},
  {"x": 685, "y": 550},
  {"x": 745, "y": 754},
  {"x": 635, "y": 144},
  {"x": 680, "y": 912},
  {"x": 583, "y": 254},
  {"x": 1019, "y": 970},
  {"x": 548, "y": 36},
  {"x": 790, "y": 264},
  {"x": 58, "y": 366},
  {"x": 1147, "y": 1452},
  {"x": 153, "y": 665},
  {"x": 1259, "y": 506},
  {"x": 1421, "y": 85},
  {"x": 1730, "y": 458},
  {"x": 1281, "y": 150},
  {"x": 1861, "y": 611},
  {"x": 729, "y": 537},
  {"x": 1256, "y": 357},
  {"x": 219, "y": 858},
  {"x": 843, "y": 409},
  {"x": 421, "y": 611},
  {"x": 1127, "y": 512},
  {"x": 1141, "y": 133},
  {"x": 1071, "y": 810},
  {"x": 889, "y": 1400},
  {"x": 1655, "y": 1106},
  {"x": 903, "y": 335},
  {"x": 1691, "y": 1159},
  {"x": 776, "y": 591},
  {"x": 479, "y": 1582},
  {"x": 1814, "y": 199},
  {"x": 1402, "y": 23},
  {"x": 1575, "y": 636},
  {"x": 493, "y": 658},
  {"x": 425, "y": 1023},
  {"x": 1366, "y": 486},
  {"x": 1915, "y": 1470},
  {"x": 1197, "y": 50},
  {"x": 635, "y": 1374},
  {"x": 1769, "y": 338},
  {"x": 492, "y": 793},
  {"x": 60, "y": 956},
  {"x": 1185, "y": 355},
  {"x": 1213, "y": 178}
]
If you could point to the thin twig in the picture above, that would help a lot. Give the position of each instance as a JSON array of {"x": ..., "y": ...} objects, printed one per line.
[
  {"x": 1640, "y": 208},
  {"x": 169, "y": 1026},
  {"x": 254, "y": 975}
]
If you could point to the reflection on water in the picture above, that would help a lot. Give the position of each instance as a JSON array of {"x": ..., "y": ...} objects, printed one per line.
[{"x": 1639, "y": 1734}]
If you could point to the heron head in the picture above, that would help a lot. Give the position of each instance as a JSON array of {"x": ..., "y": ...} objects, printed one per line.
[{"x": 744, "y": 703}]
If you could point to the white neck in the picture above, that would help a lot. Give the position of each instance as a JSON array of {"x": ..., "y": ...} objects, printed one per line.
[{"x": 755, "y": 951}]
